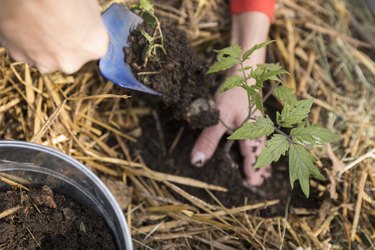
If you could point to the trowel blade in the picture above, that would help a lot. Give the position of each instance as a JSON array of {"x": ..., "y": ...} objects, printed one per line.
[{"x": 119, "y": 22}]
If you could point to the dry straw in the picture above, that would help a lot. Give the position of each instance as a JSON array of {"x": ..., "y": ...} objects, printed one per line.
[{"x": 330, "y": 60}]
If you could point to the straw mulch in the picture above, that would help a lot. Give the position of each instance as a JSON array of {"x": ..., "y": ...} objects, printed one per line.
[{"x": 330, "y": 59}]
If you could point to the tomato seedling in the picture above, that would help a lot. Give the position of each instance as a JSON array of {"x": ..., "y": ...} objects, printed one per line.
[{"x": 294, "y": 116}]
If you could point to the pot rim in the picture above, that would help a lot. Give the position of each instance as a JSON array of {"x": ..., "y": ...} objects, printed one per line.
[{"x": 48, "y": 150}]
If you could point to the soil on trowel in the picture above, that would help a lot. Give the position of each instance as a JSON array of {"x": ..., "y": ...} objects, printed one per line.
[
  {"x": 42, "y": 219},
  {"x": 179, "y": 75},
  {"x": 157, "y": 151}
]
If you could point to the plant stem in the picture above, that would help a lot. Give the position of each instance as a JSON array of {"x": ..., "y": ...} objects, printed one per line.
[{"x": 281, "y": 132}]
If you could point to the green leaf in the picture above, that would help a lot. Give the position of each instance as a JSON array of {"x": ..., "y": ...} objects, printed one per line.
[
  {"x": 150, "y": 19},
  {"x": 267, "y": 71},
  {"x": 230, "y": 83},
  {"x": 294, "y": 113},
  {"x": 232, "y": 51},
  {"x": 275, "y": 147},
  {"x": 146, "y": 5},
  {"x": 263, "y": 126},
  {"x": 248, "y": 53},
  {"x": 285, "y": 95},
  {"x": 313, "y": 135},
  {"x": 301, "y": 166},
  {"x": 255, "y": 97},
  {"x": 224, "y": 64},
  {"x": 226, "y": 59}
]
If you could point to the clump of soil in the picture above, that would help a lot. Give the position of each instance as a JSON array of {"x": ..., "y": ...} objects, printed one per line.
[
  {"x": 179, "y": 75},
  {"x": 47, "y": 220}
]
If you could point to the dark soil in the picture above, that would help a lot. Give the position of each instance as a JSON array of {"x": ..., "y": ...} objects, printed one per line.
[
  {"x": 179, "y": 75},
  {"x": 186, "y": 96},
  {"x": 219, "y": 170},
  {"x": 50, "y": 221}
]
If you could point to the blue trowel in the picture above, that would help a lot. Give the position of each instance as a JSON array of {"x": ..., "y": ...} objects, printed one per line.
[{"x": 119, "y": 22}]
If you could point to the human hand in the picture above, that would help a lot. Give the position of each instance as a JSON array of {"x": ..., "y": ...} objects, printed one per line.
[
  {"x": 53, "y": 35},
  {"x": 233, "y": 106},
  {"x": 247, "y": 30}
]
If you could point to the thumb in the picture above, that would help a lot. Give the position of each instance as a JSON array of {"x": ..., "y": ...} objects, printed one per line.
[{"x": 206, "y": 144}]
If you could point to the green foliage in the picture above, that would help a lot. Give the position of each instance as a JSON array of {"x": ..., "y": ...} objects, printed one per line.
[
  {"x": 275, "y": 147},
  {"x": 255, "y": 96},
  {"x": 232, "y": 51},
  {"x": 150, "y": 19},
  {"x": 263, "y": 126},
  {"x": 285, "y": 95},
  {"x": 301, "y": 166},
  {"x": 224, "y": 63},
  {"x": 293, "y": 116},
  {"x": 294, "y": 113},
  {"x": 230, "y": 83},
  {"x": 249, "y": 52},
  {"x": 146, "y": 5},
  {"x": 313, "y": 135},
  {"x": 267, "y": 71},
  {"x": 226, "y": 59},
  {"x": 155, "y": 41}
]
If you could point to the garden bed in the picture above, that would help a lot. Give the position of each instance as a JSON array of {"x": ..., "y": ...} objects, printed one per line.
[{"x": 100, "y": 125}]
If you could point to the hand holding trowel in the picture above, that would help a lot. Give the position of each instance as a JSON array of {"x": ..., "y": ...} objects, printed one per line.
[{"x": 63, "y": 35}]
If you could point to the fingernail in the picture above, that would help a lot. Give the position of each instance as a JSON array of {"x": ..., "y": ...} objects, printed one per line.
[{"x": 198, "y": 159}]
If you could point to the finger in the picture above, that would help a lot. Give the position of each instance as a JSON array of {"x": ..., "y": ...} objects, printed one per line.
[
  {"x": 71, "y": 66},
  {"x": 250, "y": 151},
  {"x": 206, "y": 144}
]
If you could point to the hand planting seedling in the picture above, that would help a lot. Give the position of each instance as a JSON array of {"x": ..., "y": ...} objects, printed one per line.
[
  {"x": 155, "y": 41},
  {"x": 293, "y": 116}
]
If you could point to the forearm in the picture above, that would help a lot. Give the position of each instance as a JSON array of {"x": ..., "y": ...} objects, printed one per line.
[{"x": 249, "y": 29}]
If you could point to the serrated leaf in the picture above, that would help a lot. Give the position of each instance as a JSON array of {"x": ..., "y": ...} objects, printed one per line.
[
  {"x": 255, "y": 97},
  {"x": 231, "y": 51},
  {"x": 275, "y": 147},
  {"x": 313, "y": 135},
  {"x": 285, "y": 95},
  {"x": 224, "y": 64},
  {"x": 263, "y": 126},
  {"x": 301, "y": 166},
  {"x": 146, "y": 5},
  {"x": 230, "y": 83},
  {"x": 248, "y": 53},
  {"x": 294, "y": 113},
  {"x": 267, "y": 71}
]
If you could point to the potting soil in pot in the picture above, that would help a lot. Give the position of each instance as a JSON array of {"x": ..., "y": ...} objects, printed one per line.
[{"x": 41, "y": 219}]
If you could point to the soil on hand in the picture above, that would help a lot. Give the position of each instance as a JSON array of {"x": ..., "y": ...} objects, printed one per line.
[
  {"x": 179, "y": 75},
  {"x": 47, "y": 220}
]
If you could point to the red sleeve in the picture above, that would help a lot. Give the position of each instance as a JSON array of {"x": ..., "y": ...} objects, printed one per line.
[{"x": 265, "y": 6}]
